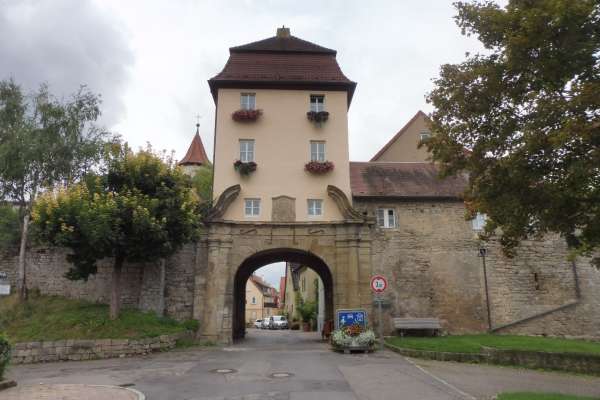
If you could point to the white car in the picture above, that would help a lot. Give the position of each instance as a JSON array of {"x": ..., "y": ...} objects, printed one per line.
[
  {"x": 279, "y": 322},
  {"x": 258, "y": 323},
  {"x": 266, "y": 323}
]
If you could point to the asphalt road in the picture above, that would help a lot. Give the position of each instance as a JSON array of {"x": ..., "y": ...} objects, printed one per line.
[{"x": 296, "y": 365}]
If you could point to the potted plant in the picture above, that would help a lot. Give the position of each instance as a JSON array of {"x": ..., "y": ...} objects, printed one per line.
[
  {"x": 244, "y": 168},
  {"x": 318, "y": 167},
  {"x": 353, "y": 337},
  {"x": 246, "y": 115},
  {"x": 318, "y": 117},
  {"x": 308, "y": 312}
]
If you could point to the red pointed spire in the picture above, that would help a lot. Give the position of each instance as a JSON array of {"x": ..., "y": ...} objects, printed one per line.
[{"x": 195, "y": 154}]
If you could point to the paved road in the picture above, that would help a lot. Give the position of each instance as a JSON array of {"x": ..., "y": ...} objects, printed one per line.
[{"x": 315, "y": 373}]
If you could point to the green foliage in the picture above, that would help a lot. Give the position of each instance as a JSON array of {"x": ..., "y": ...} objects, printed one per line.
[
  {"x": 140, "y": 208},
  {"x": 4, "y": 355},
  {"x": 58, "y": 318},
  {"x": 202, "y": 182},
  {"x": 9, "y": 227},
  {"x": 540, "y": 396},
  {"x": 46, "y": 141},
  {"x": 474, "y": 343},
  {"x": 307, "y": 310},
  {"x": 523, "y": 119}
]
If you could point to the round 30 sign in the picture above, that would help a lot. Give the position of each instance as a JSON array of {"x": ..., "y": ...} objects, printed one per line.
[{"x": 378, "y": 283}]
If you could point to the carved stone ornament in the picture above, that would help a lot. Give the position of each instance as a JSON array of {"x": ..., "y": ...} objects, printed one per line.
[
  {"x": 343, "y": 204},
  {"x": 223, "y": 202}
]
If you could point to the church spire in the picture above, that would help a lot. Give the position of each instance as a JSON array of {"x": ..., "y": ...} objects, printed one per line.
[{"x": 196, "y": 155}]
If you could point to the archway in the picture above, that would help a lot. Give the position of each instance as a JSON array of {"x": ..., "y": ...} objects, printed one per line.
[{"x": 260, "y": 259}]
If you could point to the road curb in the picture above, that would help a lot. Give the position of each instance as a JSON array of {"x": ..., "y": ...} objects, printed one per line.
[{"x": 140, "y": 395}]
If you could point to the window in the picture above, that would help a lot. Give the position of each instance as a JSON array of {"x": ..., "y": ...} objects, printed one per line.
[
  {"x": 252, "y": 207},
  {"x": 479, "y": 222},
  {"x": 246, "y": 150},
  {"x": 317, "y": 150},
  {"x": 248, "y": 101},
  {"x": 253, "y": 300},
  {"x": 386, "y": 217},
  {"x": 424, "y": 135},
  {"x": 317, "y": 103},
  {"x": 315, "y": 207},
  {"x": 304, "y": 284}
]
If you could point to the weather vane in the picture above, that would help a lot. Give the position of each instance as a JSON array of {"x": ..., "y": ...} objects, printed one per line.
[{"x": 198, "y": 116}]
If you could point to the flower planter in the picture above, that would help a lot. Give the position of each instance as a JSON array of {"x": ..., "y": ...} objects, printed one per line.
[
  {"x": 353, "y": 338},
  {"x": 318, "y": 117},
  {"x": 244, "y": 168},
  {"x": 306, "y": 327},
  {"x": 319, "y": 167},
  {"x": 246, "y": 115}
]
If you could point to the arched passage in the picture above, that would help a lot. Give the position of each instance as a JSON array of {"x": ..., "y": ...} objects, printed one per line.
[{"x": 263, "y": 258}]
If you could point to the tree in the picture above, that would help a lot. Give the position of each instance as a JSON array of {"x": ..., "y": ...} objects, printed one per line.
[
  {"x": 9, "y": 227},
  {"x": 140, "y": 208},
  {"x": 523, "y": 119},
  {"x": 44, "y": 141},
  {"x": 202, "y": 182}
]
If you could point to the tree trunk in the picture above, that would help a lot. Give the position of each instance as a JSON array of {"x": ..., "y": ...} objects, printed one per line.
[
  {"x": 115, "y": 294},
  {"x": 22, "y": 282},
  {"x": 161, "y": 293}
]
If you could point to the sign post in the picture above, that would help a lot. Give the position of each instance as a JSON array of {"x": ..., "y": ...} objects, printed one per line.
[{"x": 378, "y": 285}]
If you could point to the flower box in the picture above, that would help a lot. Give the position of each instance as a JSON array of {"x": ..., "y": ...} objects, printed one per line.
[
  {"x": 246, "y": 115},
  {"x": 244, "y": 168},
  {"x": 353, "y": 338},
  {"x": 317, "y": 116},
  {"x": 318, "y": 167}
]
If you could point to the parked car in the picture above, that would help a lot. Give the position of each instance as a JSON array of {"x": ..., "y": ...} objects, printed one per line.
[
  {"x": 279, "y": 322},
  {"x": 258, "y": 323},
  {"x": 266, "y": 323}
]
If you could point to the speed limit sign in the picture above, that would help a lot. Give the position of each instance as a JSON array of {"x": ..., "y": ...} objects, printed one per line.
[{"x": 378, "y": 283}]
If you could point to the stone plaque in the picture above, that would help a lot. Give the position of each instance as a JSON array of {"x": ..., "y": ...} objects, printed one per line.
[{"x": 284, "y": 209}]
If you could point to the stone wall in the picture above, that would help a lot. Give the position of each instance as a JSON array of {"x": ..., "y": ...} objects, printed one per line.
[
  {"x": 431, "y": 260},
  {"x": 141, "y": 289},
  {"x": 77, "y": 350}
]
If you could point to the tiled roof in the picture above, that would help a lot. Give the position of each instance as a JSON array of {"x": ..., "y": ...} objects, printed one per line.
[
  {"x": 195, "y": 154},
  {"x": 290, "y": 44},
  {"x": 403, "y": 180},
  {"x": 282, "y": 62}
]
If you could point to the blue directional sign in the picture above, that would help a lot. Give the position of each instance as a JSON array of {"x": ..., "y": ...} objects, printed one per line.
[{"x": 351, "y": 317}]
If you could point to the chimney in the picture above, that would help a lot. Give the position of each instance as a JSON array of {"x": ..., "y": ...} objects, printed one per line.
[{"x": 283, "y": 32}]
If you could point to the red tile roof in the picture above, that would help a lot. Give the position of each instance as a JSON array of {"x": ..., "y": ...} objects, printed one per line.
[
  {"x": 195, "y": 154},
  {"x": 403, "y": 180},
  {"x": 397, "y": 135},
  {"x": 282, "y": 62}
]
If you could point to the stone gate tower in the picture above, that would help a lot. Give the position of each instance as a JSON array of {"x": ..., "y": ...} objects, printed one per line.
[{"x": 281, "y": 179}]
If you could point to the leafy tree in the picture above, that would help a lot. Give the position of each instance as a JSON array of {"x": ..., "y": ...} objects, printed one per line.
[
  {"x": 203, "y": 182},
  {"x": 9, "y": 227},
  {"x": 140, "y": 208},
  {"x": 44, "y": 141},
  {"x": 523, "y": 119}
]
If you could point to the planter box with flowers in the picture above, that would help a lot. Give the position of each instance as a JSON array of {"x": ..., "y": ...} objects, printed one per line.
[
  {"x": 353, "y": 338},
  {"x": 318, "y": 117},
  {"x": 319, "y": 167},
  {"x": 246, "y": 115},
  {"x": 244, "y": 168}
]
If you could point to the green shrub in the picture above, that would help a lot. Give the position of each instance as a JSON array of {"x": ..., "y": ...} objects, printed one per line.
[{"x": 4, "y": 355}]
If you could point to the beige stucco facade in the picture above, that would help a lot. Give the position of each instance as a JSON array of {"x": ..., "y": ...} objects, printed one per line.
[
  {"x": 403, "y": 147},
  {"x": 282, "y": 136},
  {"x": 254, "y": 302}
]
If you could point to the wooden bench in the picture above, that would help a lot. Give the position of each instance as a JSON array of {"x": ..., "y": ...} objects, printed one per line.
[{"x": 427, "y": 324}]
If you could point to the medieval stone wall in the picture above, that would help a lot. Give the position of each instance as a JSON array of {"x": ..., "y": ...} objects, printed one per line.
[
  {"x": 46, "y": 268},
  {"x": 432, "y": 262}
]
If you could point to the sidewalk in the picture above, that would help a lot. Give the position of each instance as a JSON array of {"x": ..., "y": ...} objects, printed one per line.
[{"x": 70, "y": 392}]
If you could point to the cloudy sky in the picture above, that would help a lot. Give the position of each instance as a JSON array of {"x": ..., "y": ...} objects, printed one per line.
[{"x": 151, "y": 59}]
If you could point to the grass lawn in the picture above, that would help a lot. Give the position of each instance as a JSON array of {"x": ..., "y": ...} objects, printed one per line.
[
  {"x": 473, "y": 343},
  {"x": 57, "y": 318},
  {"x": 540, "y": 396}
]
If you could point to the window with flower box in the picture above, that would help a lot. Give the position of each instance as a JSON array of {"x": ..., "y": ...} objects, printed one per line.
[
  {"x": 317, "y": 102},
  {"x": 248, "y": 101},
  {"x": 246, "y": 150},
  {"x": 317, "y": 150}
]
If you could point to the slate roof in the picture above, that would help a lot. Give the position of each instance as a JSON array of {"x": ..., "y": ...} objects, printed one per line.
[
  {"x": 282, "y": 62},
  {"x": 196, "y": 155},
  {"x": 408, "y": 180}
]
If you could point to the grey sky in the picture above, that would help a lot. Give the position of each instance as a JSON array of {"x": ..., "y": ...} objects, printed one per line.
[
  {"x": 151, "y": 59},
  {"x": 272, "y": 273}
]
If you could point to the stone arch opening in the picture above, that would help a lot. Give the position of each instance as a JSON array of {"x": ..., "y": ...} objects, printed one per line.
[{"x": 260, "y": 259}]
